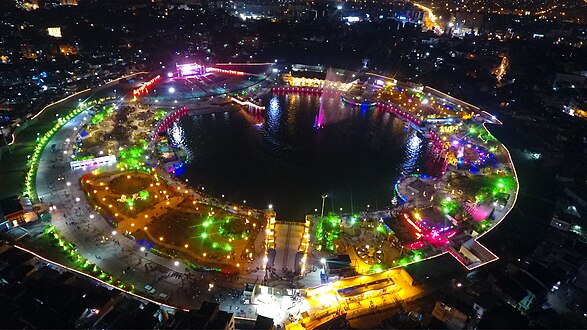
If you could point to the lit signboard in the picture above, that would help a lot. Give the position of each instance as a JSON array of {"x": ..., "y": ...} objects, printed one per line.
[{"x": 93, "y": 162}]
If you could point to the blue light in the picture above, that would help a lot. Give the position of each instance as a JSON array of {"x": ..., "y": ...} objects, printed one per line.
[{"x": 274, "y": 104}]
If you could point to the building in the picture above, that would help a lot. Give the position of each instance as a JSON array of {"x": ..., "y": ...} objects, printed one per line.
[
  {"x": 519, "y": 289},
  {"x": 264, "y": 323},
  {"x": 54, "y": 32},
  {"x": 37, "y": 295},
  {"x": 467, "y": 22},
  {"x": 454, "y": 315},
  {"x": 207, "y": 317},
  {"x": 16, "y": 210},
  {"x": 339, "y": 267},
  {"x": 28, "y": 4}
]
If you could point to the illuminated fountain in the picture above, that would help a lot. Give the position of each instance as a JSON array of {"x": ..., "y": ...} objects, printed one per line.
[
  {"x": 331, "y": 83},
  {"x": 319, "y": 121}
]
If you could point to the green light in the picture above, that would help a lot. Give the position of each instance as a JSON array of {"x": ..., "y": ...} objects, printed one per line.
[
  {"x": 206, "y": 224},
  {"x": 377, "y": 268},
  {"x": 228, "y": 248},
  {"x": 159, "y": 114},
  {"x": 144, "y": 194},
  {"x": 328, "y": 230},
  {"x": 204, "y": 235},
  {"x": 214, "y": 245}
]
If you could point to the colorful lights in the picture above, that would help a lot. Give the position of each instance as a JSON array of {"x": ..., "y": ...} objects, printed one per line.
[
  {"x": 98, "y": 117},
  {"x": 43, "y": 140},
  {"x": 449, "y": 206},
  {"x": 133, "y": 157},
  {"x": 232, "y": 72},
  {"x": 358, "y": 104},
  {"x": 328, "y": 230},
  {"x": 435, "y": 236},
  {"x": 190, "y": 70},
  {"x": 319, "y": 120},
  {"x": 144, "y": 89},
  {"x": 376, "y": 269},
  {"x": 247, "y": 103},
  {"x": 416, "y": 227}
]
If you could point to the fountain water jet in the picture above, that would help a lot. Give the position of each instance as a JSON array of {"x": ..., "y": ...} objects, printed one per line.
[{"x": 329, "y": 85}]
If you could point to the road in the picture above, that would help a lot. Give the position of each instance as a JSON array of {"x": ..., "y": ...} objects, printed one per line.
[
  {"x": 96, "y": 239},
  {"x": 13, "y": 162}
]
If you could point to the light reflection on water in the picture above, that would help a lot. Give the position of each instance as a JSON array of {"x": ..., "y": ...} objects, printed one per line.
[
  {"x": 177, "y": 137},
  {"x": 358, "y": 155}
]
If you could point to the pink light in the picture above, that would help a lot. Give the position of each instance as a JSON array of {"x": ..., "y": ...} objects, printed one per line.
[
  {"x": 144, "y": 89},
  {"x": 412, "y": 223},
  {"x": 416, "y": 245},
  {"x": 233, "y": 72},
  {"x": 190, "y": 69}
]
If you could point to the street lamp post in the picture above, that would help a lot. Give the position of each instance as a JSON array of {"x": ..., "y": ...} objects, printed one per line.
[{"x": 323, "y": 199}]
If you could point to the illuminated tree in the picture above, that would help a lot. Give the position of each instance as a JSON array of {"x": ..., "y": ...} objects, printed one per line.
[{"x": 328, "y": 230}]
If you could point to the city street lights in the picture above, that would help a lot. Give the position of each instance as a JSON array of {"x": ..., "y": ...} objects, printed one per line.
[{"x": 323, "y": 199}]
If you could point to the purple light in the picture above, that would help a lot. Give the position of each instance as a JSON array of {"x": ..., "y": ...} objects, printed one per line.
[{"x": 319, "y": 121}]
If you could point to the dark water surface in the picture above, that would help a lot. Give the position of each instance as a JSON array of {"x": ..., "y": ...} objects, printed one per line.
[{"x": 357, "y": 156}]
